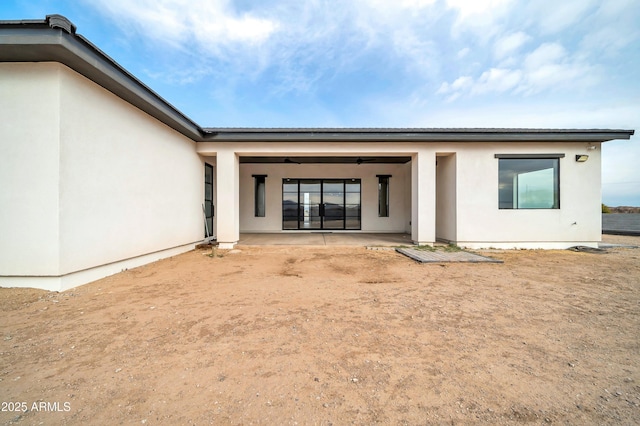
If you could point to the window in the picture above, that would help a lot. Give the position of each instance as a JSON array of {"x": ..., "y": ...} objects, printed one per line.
[
  {"x": 259, "y": 195},
  {"x": 208, "y": 200},
  {"x": 383, "y": 195},
  {"x": 529, "y": 181}
]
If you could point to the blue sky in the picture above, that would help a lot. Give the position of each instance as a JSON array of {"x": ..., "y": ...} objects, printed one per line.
[{"x": 382, "y": 63}]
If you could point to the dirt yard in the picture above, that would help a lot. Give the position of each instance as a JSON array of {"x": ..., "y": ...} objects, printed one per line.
[{"x": 331, "y": 335}]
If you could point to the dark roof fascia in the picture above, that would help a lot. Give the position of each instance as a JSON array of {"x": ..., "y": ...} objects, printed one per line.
[
  {"x": 55, "y": 40},
  {"x": 412, "y": 135}
]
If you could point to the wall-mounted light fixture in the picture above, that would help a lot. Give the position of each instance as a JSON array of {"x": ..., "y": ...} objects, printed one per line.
[
  {"x": 582, "y": 158},
  {"x": 591, "y": 147}
]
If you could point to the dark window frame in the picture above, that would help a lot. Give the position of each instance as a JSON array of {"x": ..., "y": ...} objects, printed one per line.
[
  {"x": 260, "y": 195},
  {"x": 506, "y": 200},
  {"x": 209, "y": 207},
  {"x": 298, "y": 182},
  {"x": 384, "y": 184}
]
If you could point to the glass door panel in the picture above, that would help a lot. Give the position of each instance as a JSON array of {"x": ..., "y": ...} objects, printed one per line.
[
  {"x": 309, "y": 200},
  {"x": 333, "y": 204},
  {"x": 310, "y": 185},
  {"x": 290, "y": 204},
  {"x": 314, "y": 204},
  {"x": 352, "y": 205}
]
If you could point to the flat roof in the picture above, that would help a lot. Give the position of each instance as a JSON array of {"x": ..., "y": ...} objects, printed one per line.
[
  {"x": 54, "y": 39},
  {"x": 414, "y": 134}
]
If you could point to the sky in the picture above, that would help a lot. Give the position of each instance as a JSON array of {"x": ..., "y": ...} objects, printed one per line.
[{"x": 382, "y": 63}]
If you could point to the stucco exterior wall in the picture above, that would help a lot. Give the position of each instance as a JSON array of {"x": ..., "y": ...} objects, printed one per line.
[
  {"x": 446, "y": 196},
  {"x": 458, "y": 203},
  {"x": 29, "y": 169},
  {"x": 92, "y": 182},
  {"x": 272, "y": 222},
  {"x": 227, "y": 154},
  {"x": 128, "y": 183},
  {"x": 482, "y": 224}
]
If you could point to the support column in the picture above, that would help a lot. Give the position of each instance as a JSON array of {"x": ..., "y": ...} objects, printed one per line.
[
  {"x": 423, "y": 197},
  {"x": 227, "y": 199}
]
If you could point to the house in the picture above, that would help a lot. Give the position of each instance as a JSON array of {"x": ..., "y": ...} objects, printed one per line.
[{"x": 98, "y": 173}]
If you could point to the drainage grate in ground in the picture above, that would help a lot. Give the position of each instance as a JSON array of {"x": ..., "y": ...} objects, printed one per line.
[{"x": 437, "y": 256}]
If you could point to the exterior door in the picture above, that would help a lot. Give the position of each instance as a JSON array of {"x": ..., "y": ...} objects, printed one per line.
[
  {"x": 332, "y": 204},
  {"x": 316, "y": 204}
]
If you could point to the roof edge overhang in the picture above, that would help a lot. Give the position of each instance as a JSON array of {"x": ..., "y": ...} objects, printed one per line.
[
  {"x": 413, "y": 135},
  {"x": 55, "y": 40}
]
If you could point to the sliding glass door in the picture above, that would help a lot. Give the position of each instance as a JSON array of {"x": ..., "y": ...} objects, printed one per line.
[{"x": 316, "y": 204}]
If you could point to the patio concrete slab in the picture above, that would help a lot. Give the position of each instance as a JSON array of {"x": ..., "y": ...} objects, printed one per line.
[
  {"x": 325, "y": 239},
  {"x": 440, "y": 256}
]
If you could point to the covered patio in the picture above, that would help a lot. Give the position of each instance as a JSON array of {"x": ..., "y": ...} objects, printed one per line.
[{"x": 325, "y": 239}]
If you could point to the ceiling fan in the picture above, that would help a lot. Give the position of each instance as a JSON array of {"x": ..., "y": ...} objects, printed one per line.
[{"x": 360, "y": 160}]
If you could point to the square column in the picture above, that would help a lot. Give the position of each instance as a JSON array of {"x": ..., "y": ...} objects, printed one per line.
[
  {"x": 227, "y": 184},
  {"x": 423, "y": 197}
]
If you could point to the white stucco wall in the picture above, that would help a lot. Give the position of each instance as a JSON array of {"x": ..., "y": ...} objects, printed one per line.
[
  {"x": 423, "y": 195},
  {"x": 128, "y": 184},
  {"x": 446, "y": 195},
  {"x": 90, "y": 183},
  {"x": 272, "y": 222},
  {"x": 481, "y": 224},
  {"x": 29, "y": 166},
  {"x": 473, "y": 217},
  {"x": 221, "y": 151}
]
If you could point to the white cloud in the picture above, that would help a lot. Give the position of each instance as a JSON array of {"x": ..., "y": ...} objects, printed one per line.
[
  {"x": 468, "y": 8},
  {"x": 298, "y": 41},
  {"x": 419, "y": 53},
  {"x": 395, "y": 4},
  {"x": 614, "y": 27},
  {"x": 492, "y": 46},
  {"x": 553, "y": 16},
  {"x": 480, "y": 19},
  {"x": 213, "y": 25},
  {"x": 497, "y": 80},
  {"x": 463, "y": 52},
  {"x": 455, "y": 89},
  {"x": 509, "y": 44},
  {"x": 547, "y": 67},
  {"x": 547, "y": 53},
  {"x": 461, "y": 83}
]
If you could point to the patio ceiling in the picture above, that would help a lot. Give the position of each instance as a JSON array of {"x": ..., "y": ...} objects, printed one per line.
[{"x": 324, "y": 160}]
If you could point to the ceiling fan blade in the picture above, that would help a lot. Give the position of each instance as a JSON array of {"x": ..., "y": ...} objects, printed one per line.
[{"x": 361, "y": 160}]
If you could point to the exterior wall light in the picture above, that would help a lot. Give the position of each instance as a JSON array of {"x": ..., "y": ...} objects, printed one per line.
[{"x": 582, "y": 158}]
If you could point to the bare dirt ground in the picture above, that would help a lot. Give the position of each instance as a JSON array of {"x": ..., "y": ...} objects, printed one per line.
[{"x": 331, "y": 335}]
